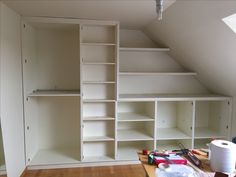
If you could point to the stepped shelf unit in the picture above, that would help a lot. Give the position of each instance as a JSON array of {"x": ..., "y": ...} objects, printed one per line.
[{"x": 88, "y": 101}]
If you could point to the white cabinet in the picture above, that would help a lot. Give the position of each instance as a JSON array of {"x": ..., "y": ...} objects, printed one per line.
[{"x": 87, "y": 101}]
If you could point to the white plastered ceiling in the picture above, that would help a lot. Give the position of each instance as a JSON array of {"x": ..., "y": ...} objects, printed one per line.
[
  {"x": 132, "y": 14},
  {"x": 201, "y": 42}
]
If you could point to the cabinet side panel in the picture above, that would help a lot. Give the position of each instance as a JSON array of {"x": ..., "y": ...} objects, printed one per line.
[
  {"x": 29, "y": 63},
  {"x": 11, "y": 92}
]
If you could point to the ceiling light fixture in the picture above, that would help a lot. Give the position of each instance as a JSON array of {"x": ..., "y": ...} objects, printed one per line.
[{"x": 159, "y": 8}]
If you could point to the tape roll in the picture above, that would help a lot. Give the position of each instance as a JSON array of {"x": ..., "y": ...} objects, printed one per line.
[{"x": 223, "y": 156}]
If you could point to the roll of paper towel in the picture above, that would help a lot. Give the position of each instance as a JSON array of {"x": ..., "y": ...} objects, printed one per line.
[{"x": 223, "y": 156}]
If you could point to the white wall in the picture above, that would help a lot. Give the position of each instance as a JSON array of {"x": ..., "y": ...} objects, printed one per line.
[
  {"x": 11, "y": 91},
  {"x": 200, "y": 41}
]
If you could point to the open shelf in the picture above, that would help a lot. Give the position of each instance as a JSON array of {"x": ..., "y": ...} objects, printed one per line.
[
  {"x": 39, "y": 93},
  {"x": 170, "y": 134},
  {"x": 98, "y": 159},
  {"x": 56, "y": 156},
  {"x": 97, "y": 100},
  {"x": 98, "y": 43},
  {"x": 98, "y": 118},
  {"x": 99, "y": 82},
  {"x": 98, "y": 138},
  {"x": 158, "y": 73},
  {"x": 128, "y": 150},
  {"x": 129, "y": 117},
  {"x": 173, "y": 144},
  {"x": 204, "y": 133},
  {"x": 133, "y": 135},
  {"x": 98, "y": 63},
  {"x": 144, "y": 49}
]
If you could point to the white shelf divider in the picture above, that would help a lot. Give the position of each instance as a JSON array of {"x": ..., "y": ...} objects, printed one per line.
[
  {"x": 144, "y": 49},
  {"x": 98, "y": 118},
  {"x": 132, "y": 135},
  {"x": 158, "y": 73},
  {"x": 45, "y": 93},
  {"x": 97, "y": 101},
  {"x": 99, "y": 82},
  {"x": 98, "y": 138},
  {"x": 133, "y": 117},
  {"x": 98, "y": 44},
  {"x": 170, "y": 134},
  {"x": 98, "y": 63}
]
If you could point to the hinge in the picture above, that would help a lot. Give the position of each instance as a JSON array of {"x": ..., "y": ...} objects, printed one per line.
[
  {"x": 227, "y": 127},
  {"x": 27, "y": 128},
  {"x": 27, "y": 99},
  {"x": 26, "y": 60},
  {"x": 228, "y": 103},
  {"x": 24, "y": 25}
]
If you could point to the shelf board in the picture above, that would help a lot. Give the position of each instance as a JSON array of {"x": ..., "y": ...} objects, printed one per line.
[
  {"x": 133, "y": 117},
  {"x": 170, "y": 134},
  {"x": 158, "y": 73},
  {"x": 97, "y": 158},
  {"x": 127, "y": 153},
  {"x": 102, "y": 118},
  {"x": 98, "y": 63},
  {"x": 144, "y": 49},
  {"x": 206, "y": 132},
  {"x": 98, "y": 44},
  {"x": 132, "y": 135},
  {"x": 172, "y": 97},
  {"x": 99, "y": 82},
  {"x": 167, "y": 146},
  {"x": 97, "y": 100},
  {"x": 98, "y": 138},
  {"x": 44, "y": 93},
  {"x": 56, "y": 156},
  {"x": 3, "y": 169}
]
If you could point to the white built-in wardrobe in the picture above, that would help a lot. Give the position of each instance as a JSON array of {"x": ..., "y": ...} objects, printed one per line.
[{"x": 95, "y": 94}]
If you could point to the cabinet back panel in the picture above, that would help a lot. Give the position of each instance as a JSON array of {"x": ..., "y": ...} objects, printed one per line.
[
  {"x": 145, "y": 108},
  {"x": 58, "y": 59},
  {"x": 98, "y": 109},
  {"x": 101, "y": 34},
  {"x": 98, "y": 128},
  {"x": 59, "y": 122},
  {"x": 160, "y": 84},
  {"x": 147, "y": 62},
  {"x": 98, "y": 73},
  {"x": 99, "y": 91},
  {"x": 98, "y": 53}
]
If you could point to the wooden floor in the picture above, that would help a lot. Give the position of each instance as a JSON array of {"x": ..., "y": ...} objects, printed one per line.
[{"x": 109, "y": 171}]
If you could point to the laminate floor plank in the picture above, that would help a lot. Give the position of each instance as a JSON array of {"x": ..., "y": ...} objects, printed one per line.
[{"x": 106, "y": 171}]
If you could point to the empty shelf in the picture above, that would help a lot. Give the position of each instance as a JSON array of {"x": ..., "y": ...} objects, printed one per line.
[
  {"x": 56, "y": 156},
  {"x": 39, "y": 93},
  {"x": 127, "y": 153},
  {"x": 98, "y": 43},
  {"x": 130, "y": 117},
  {"x": 97, "y": 158},
  {"x": 167, "y": 146},
  {"x": 97, "y": 100},
  {"x": 171, "y": 134},
  {"x": 206, "y": 132},
  {"x": 98, "y": 63},
  {"x": 132, "y": 135},
  {"x": 99, "y": 82},
  {"x": 98, "y": 138},
  {"x": 159, "y": 73},
  {"x": 145, "y": 49},
  {"x": 98, "y": 118}
]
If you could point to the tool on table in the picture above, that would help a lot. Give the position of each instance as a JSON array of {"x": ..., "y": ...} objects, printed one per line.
[{"x": 189, "y": 155}]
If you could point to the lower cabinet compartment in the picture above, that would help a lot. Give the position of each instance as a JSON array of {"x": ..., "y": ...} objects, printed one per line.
[
  {"x": 98, "y": 151},
  {"x": 128, "y": 150},
  {"x": 173, "y": 144}
]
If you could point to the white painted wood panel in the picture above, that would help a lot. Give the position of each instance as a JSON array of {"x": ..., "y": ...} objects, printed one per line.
[{"x": 12, "y": 121}]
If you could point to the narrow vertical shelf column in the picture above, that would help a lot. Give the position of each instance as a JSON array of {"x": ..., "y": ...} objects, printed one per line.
[{"x": 99, "y": 50}]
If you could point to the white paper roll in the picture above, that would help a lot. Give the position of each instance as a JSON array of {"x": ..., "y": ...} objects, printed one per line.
[{"x": 223, "y": 156}]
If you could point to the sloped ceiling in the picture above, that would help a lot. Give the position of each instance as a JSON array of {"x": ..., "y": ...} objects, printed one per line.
[
  {"x": 132, "y": 14},
  {"x": 201, "y": 42}
]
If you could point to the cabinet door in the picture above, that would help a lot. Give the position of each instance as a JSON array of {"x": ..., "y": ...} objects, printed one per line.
[{"x": 11, "y": 91}]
